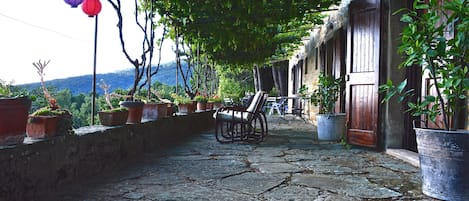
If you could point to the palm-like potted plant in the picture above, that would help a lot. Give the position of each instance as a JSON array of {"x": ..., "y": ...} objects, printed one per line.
[
  {"x": 13, "y": 115},
  {"x": 111, "y": 115},
  {"x": 51, "y": 120},
  {"x": 331, "y": 125},
  {"x": 436, "y": 39}
]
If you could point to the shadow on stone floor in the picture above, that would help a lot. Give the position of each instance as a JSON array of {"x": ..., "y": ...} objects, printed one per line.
[{"x": 289, "y": 165}]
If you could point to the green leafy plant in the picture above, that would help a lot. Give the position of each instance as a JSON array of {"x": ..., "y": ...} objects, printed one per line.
[
  {"x": 4, "y": 89},
  {"x": 427, "y": 42},
  {"x": 201, "y": 98},
  {"x": 215, "y": 99},
  {"x": 273, "y": 92},
  {"x": 327, "y": 93},
  {"x": 8, "y": 91},
  {"x": 303, "y": 91},
  {"x": 179, "y": 99}
]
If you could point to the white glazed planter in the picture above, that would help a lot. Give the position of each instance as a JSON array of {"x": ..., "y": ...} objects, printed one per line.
[{"x": 331, "y": 126}]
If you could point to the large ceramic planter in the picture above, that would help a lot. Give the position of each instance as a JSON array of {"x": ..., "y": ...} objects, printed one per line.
[
  {"x": 153, "y": 111},
  {"x": 444, "y": 163},
  {"x": 135, "y": 109},
  {"x": 42, "y": 126},
  {"x": 13, "y": 118},
  {"x": 330, "y": 126},
  {"x": 113, "y": 118}
]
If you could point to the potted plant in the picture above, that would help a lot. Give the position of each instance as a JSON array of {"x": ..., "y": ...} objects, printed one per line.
[
  {"x": 331, "y": 125},
  {"x": 435, "y": 39},
  {"x": 183, "y": 103},
  {"x": 155, "y": 107},
  {"x": 201, "y": 102},
  {"x": 13, "y": 115},
  {"x": 134, "y": 107},
  {"x": 51, "y": 120},
  {"x": 111, "y": 116},
  {"x": 216, "y": 101}
]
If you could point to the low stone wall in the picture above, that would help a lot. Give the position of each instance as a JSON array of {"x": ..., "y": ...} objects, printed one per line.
[{"x": 31, "y": 170}]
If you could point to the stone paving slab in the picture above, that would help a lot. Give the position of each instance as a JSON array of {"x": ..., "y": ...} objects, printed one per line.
[{"x": 289, "y": 165}]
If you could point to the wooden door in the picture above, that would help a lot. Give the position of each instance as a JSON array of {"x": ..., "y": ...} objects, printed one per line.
[{"x": 363, "y": 51}]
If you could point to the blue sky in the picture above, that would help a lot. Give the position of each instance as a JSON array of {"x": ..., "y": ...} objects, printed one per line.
[{"x": 33, "y": 30}]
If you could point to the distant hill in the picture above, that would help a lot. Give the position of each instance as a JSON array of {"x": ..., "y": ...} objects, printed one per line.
[{"x": 120, "y": 79}]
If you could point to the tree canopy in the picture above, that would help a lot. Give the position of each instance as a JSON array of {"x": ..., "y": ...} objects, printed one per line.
[{"x": 242, "y": 31}]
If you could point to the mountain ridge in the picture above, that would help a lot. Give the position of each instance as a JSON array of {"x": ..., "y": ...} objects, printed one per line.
[{"x": 122, "y": 79}]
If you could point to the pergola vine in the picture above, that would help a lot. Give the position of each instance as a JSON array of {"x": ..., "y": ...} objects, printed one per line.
[{"x": 243, "y": 32}]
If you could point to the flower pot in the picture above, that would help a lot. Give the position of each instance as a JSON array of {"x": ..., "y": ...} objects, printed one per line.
[
  {"x": 113, "y": 118},
  {"x": 444, "y": 163},
  {"x": 201, "y": 106},
  {"x": 42, "y": 126},
  {"x": 193, "y": 107},
  {"x": 153, "y": 111},
  {"x": 217, "y": 105},
  {"x": 209, "y": 106},
  {"x": 135, "y": 109},
  {"x": 331, "y": 126},
  {"x": 13, "y": 118},
  {"x": 170, "y": 109},
  {"x": 185, "y": 108}
]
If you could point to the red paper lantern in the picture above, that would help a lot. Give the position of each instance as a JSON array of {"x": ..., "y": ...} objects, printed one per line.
[
  {"x": 91, "y": 7},
  {"x": 73, "y": 3}
]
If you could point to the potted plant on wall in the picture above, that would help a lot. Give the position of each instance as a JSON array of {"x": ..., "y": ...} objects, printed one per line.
[
  {"x": 155, "y": 107},
  {"x": 184, "y": 104},
  {"x": 331, "y": 125},
  {"x": 216, "y": 101},
  {"x": 51, "y": 120},
  {"x": 435, "y": 39},
  {"x": 201, "y": 102},
  {"x": 111, "y": 116},
  {"x": 13, "y": 115}
]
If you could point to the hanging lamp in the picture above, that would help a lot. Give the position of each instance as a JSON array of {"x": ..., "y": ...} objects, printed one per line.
[
  {"x": 91, "y": 7},
  {"x": 74, "y": 3}
]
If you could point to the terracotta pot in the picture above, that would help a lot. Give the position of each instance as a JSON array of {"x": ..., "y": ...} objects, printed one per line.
[
  {"x": 217, "y": 105},
  {"x": 194, "y": 106},
  {"x": 13, "y": 118},
  {"x": 135, "y": 109},
  {"x": 209, "y": 106},
  {"x": 152, "y": 111},
  {"x": 113, "y": 118},
  {"x": 42, "y": 126},
  {"x": 185, "y": 108},
  {"x": 201, "y": 106},
  {"x": 170, "y": 110}
]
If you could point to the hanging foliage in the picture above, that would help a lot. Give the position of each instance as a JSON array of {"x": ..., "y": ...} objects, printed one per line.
[{"x": 243, "y": 32}]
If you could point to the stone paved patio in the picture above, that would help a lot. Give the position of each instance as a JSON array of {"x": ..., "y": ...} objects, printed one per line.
[{"x": 289, "y": 165}]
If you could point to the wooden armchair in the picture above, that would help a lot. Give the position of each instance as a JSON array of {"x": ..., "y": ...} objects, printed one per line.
[{"x": 242, "y": 124}]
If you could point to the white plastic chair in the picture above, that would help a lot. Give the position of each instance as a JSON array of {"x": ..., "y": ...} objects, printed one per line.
[{"x": 278, "y": 106}]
